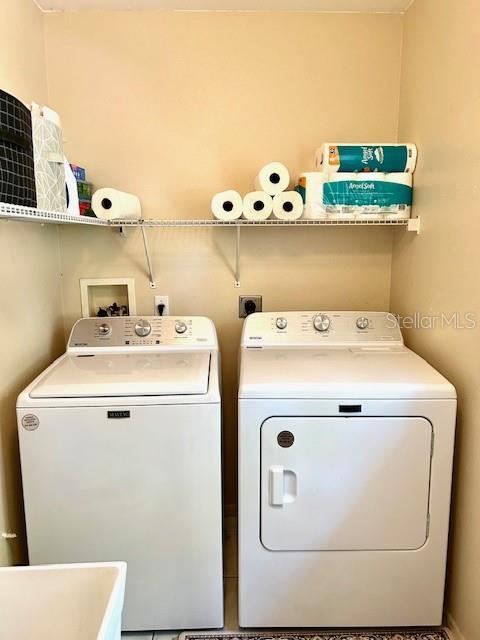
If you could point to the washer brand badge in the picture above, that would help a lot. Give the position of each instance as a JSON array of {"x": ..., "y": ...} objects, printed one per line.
[
  {"x": 118, "y": 414},
  {"x": 30, "y": 422}
]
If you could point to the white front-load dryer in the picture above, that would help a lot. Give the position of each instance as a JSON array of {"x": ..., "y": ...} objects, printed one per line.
[
  {"x": 121, "y": 460},
  {"x": 345, "y": 462}
]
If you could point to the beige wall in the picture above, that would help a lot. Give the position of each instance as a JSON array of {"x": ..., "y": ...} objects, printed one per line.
[
  {"x": 438, "y": 271},
  {"x": 176, "y": 106},
  {"x": 30, "y": 296}
]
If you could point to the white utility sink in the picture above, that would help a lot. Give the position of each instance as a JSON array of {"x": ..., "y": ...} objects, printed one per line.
[{"x": 66, "y": 601}]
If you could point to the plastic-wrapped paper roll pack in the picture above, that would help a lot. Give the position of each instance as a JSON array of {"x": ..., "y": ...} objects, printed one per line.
[
  {"x": 257, "y": 206},
  {"x": 273, "y": 178},
  {"x": 332, "y": 157},
  {"x": 288, "y": 205},
  {"x": 111, "y": 204},
  {"x": 227, "y": 205},
  {"x": 356, "y": 194}
]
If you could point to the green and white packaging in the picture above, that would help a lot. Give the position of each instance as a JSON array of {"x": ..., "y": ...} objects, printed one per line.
[
  {"x": 364, "y": 195},
  {"x": 333, "y": 157}
]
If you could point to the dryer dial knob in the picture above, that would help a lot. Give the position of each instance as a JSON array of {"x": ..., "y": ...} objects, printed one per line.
[
  {"x": 281, "y": 323},
  {"x": 321, "y": 322},
  {"x": 143, "y": 328},
  {"x": 362, "y": 323},
  {"x": 104, "y": 329},
  {"x": 180, "y": 327}
]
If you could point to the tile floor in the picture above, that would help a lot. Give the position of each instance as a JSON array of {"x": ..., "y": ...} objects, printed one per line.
[{"x": 230, "y": 570}]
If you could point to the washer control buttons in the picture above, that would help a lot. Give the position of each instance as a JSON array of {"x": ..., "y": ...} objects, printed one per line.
[
  {"x": 180, "y": 326},
  {"x": 321, "y": 322},
  {"x": 104, "y": 329},
  {"x": 143, "y": 328},
  {"x": 362, "y": 323},
  {"x": 281, "y": 323}
]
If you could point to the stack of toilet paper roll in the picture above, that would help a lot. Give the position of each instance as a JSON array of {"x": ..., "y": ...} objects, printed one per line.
[
  {"x": 111, "y": 204},
  {"x": 359, "y": 180},
  {"x": 271, "y": 195}
]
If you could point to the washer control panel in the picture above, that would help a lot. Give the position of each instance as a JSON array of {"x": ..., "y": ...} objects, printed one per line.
[
  {"x": 143, "y": 331},
  {"x": 320, "y": 327}
]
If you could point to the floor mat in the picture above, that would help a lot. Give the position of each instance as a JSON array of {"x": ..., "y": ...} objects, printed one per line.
[{"x": 424, "y": 634}]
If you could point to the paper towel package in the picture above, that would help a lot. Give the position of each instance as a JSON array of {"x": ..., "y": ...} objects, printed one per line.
[
  {"x": 288, "y": 205},
  {"x": 347, "y": 195},
  {"x": 257, "y": 205},
  {"x": 273, "y": 178},
  {"x": 332, "y": 157},
  {"x": 227, "y": 205},
  {"x": 111, "y": 204}
]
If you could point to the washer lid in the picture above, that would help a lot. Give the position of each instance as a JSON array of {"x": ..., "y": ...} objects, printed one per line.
[
  {"x": 342, "y": 372},
  {"x": 112, "y": 375}
]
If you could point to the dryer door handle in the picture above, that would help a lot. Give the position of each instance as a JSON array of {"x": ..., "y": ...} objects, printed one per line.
[
  {"x": 283, "y": 485},
  {"x": 276, "y": 482}
]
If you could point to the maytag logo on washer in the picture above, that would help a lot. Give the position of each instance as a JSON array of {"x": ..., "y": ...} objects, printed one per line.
[
  {"x": 118, "y": 414},
  {"x": 30, "y": 422}
]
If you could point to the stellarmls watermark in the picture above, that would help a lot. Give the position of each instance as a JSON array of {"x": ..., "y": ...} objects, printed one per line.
[{"x": 418, "y": 320}]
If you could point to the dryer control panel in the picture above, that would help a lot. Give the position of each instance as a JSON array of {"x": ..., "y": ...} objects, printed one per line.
[
  {"x": 329, "y": 328},
  {"x": 143, "y": 331}
]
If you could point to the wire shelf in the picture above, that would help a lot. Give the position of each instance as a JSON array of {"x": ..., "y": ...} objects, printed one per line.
[{"x": 16, "y": 212}]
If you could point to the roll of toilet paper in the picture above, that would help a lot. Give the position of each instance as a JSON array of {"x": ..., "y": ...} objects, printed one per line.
[
  {"x": 111, "y": 204},
  {"x": 257, "y": 205},
  {"x": 288, "y": 205},
  {"x": 273, "y": 178},
  {"x": 331, "y": 157},
  {"x": 227, "y": 205},
  {"x": 72, "y": 203}
]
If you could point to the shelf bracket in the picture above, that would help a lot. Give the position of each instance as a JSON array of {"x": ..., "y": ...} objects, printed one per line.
[
  {"x": 151, "y": 275},
  {"x": 237, "y": 256},
  {"x": 414, "y": 225}
]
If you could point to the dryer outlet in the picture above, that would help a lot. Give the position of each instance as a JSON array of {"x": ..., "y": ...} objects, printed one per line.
[
  {"x": 248, "y": 305},
  {"x": 158, "y": 301}
]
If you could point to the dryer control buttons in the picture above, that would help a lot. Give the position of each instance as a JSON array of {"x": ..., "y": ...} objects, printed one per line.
[
  {"x": 104, "y": 329},
  {"x": 180, "y": 326},
  {"x": 321, "y": 322},
  {"x": 281, "y": 323},
  {"x": 143, "y": 328},
  {"x": 362, "y": 323}
]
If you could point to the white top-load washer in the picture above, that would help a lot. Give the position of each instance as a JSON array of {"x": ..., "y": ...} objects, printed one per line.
[
  {"x": 345, "y": 462},
  {"x": 121, "y": 460}
]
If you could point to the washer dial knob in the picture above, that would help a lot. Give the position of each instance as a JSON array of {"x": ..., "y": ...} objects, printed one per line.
[
  {"x": 104, "y": 329},
  {"x": 362, "y": 323},
  {"x": 143, "y": 328},
  {"x": 281, "y": 323},
  {"x": 321, "y": 322},
  {"x": 180, "y": 326}
]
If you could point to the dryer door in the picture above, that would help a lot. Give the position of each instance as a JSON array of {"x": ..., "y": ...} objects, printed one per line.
[{"x": 343, "y": 483}]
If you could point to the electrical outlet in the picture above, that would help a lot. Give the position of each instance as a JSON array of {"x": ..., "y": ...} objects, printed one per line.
[
  {"x": 248, "y": 305},
  {"x": 161, "y": 300}
]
